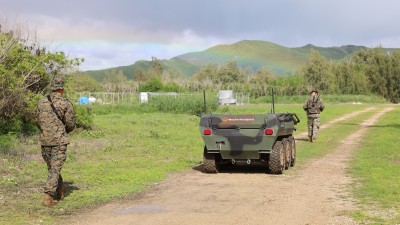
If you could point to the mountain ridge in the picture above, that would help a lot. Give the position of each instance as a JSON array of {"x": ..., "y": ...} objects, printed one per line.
[{"x": 256, "y": 54}]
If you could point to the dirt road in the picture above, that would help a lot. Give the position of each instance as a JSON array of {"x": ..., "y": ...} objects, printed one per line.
[{"x": 316, "y": 194}]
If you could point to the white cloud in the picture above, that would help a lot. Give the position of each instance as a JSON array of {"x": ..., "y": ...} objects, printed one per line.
[
  {"x": 120, "y": 32},
  {"x": 112, "y": 51},
  {"x": 106, "y": 54}
]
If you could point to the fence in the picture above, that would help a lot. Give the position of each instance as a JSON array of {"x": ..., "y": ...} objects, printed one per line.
[
  {"x": 111, "y": 97},
  {"x": 135, "y": 98},
  {"x": 242, "y": 98}
]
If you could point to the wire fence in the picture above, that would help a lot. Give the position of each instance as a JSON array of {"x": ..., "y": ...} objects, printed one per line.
[{"x": 113, "y": 98}]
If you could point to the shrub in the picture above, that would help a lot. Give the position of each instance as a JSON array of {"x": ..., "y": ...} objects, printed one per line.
[
  {"x": 7, "y": 142},
  {"x": 18, "y": 124},
  {"x": 84, "y": 117},
  {"x": 184, "y": 103},
  {"x": 153, "y": 85}
]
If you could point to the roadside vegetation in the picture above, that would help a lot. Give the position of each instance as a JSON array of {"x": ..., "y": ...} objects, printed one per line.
[
  {"x": 26, "y": 68},
  {"x": 376, "y": 167},
  {"x": 366, "y": 72},
  {"x": 190, "y": 104}
]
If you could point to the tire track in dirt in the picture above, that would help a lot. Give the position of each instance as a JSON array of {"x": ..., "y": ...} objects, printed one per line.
[
  {"x": 316, "y": 194},
  {"x": 326, "y": 182},
  {"x": 332, "y": 122}
]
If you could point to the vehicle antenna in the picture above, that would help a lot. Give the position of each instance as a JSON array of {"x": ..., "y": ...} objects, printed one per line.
[
  {"x": 273, "y": 101},
  {"x": 204, "y": 98}
]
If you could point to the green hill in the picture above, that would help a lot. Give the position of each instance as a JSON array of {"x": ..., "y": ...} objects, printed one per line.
[
  {"x": 255, "y": 54},
  {"x": 174, "y": 65},
  {"x": 334, "y": 53}
]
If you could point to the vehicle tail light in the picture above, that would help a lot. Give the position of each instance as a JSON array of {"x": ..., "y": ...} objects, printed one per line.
[
  {"x": 207, "y": 131},
  {"x": 269, "y": 131}
]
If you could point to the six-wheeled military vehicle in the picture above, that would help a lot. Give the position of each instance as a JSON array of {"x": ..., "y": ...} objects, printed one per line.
[{"x": 249, "y": 137}]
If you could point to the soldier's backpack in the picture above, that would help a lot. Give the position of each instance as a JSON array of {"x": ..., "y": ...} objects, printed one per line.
[{"x": 314, "y": 105}]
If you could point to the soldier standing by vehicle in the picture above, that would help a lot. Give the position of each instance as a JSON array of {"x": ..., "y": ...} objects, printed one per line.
[
  {"x": 55, "y": 118},
  {"x": 313, "y": 106}
]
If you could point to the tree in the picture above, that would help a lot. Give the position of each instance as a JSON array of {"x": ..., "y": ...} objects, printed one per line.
[
  {"x": 395, "y": 80},
  {"x": 139, "y": 75},
  {"x": 115, "y": 81},
  {"x": 263, "y": 76},
  {"x": 81, "y": 82},
  {"x": 382, "y": 70},
  {"x": 229, "y": 73},
  {"x": 247, "y": 73},
  {"x": 206, "y": 76},
  {"x": 156, "y": 66},
  {"x": 260, "y": 83},
  {"x": 154, "y": 84},
  {"x": 349, "y": 80},
  {"x": 26, "y": 69},
  {"x": 318, "y": 73}
]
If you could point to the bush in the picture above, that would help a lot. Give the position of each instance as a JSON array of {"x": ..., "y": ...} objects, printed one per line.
[
  {"x": 7, "y": 142},
  {"x": 153, "y": 85},
  {"x": 84, "y": 117},
  {"x": 173, "y": 87},
  {"x": 18, "y": 124}
]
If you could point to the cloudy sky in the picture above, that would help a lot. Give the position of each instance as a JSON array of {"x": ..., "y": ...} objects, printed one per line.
[{"x": 109, "y": 33}]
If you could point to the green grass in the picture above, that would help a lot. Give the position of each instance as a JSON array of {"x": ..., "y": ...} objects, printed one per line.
[
  {"x": 126, "y": 152},
  {"x": 183, "y": 103},
  {"x": 376, "y": 167},
  {"x": 332, "y": 135},
  {"x": 299, "y": 99},
  {"x": 365, "y": 218}
]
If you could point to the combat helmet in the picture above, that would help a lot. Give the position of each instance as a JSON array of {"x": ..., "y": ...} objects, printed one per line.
[{"x": 57, "y": 83}]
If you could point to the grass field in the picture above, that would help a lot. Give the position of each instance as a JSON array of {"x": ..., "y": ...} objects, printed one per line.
[
  {"x": 127, "y": 152},
  {"x": 377, "y": 169},
  {"x": 353, "y": 99}
]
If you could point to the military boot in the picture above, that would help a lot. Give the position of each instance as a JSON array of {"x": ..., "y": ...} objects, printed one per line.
[
  {"x": 60, "y": 192},
  {"x": 48, "y": 200}
]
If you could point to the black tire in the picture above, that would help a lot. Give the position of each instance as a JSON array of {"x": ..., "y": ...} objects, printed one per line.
[
  {"x": 288, "y": 153},
  {"x": 292, "y": 143},
  {"x": 276, "y": 161},
  {"x": 210, "y": 164}
]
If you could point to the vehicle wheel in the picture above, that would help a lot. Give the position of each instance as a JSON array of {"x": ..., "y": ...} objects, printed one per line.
[
  {"x": 288, "y": 154},
  {"x": 292, "y": 143},
  {"x": 210, "y": 164},
  {"x": 276, "y": 162}
]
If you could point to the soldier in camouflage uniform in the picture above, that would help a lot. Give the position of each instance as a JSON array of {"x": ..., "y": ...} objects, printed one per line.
[
  {"x": 313, "y": 106},
  {"x": 55, "y": 118}
]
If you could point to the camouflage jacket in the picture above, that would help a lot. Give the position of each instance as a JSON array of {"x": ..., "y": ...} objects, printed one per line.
[
  {"x": 313, "y": 105},
  {"x": 54, "y": 131}
]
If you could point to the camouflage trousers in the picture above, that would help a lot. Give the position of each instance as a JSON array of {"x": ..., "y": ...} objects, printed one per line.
[
  {"x": 55, "y": 157},
  {"x": 313, "y": 126}
]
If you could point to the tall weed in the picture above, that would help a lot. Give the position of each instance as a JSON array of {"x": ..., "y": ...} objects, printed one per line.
[{"x": 184, "y": 103}]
